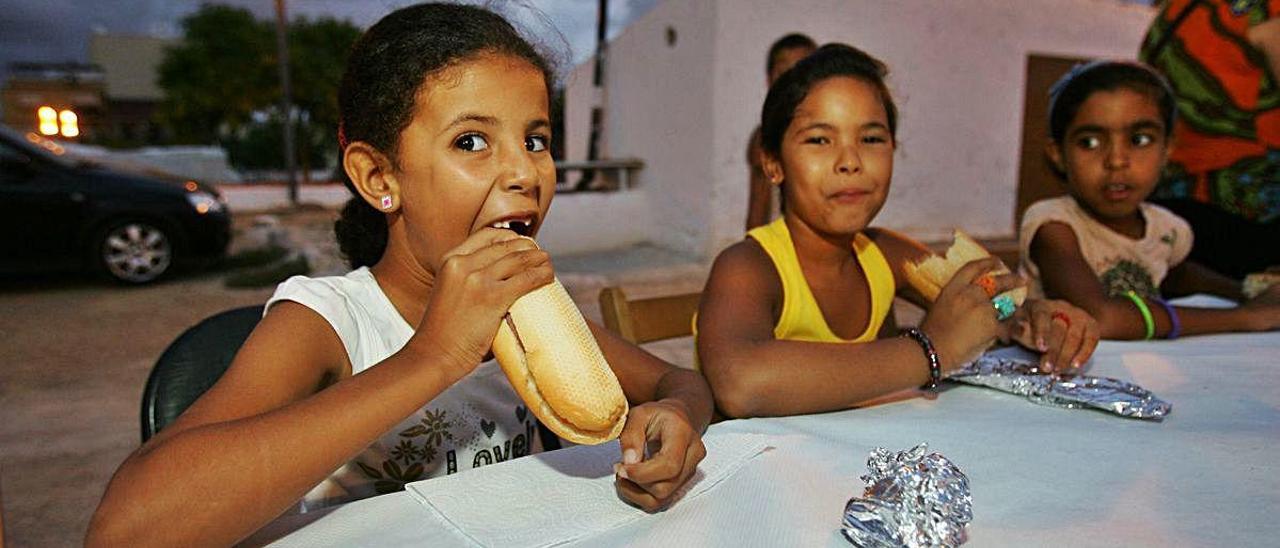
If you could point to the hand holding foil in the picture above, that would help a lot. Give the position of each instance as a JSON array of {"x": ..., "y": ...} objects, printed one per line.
[
  {"x": 911, "y": 500},
  {"x": 1023, "y": 377}
]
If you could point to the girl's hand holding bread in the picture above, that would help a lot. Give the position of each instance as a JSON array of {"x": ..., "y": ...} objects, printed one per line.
[
  {"x": 962, "y": 321},
  {"x": 1064, "y": 334},
  {"x": 476, "y": 285}
]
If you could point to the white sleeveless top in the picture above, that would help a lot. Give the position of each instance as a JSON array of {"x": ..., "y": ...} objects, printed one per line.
[
  {"x": 479, "y": 420},
  {"x": 1121, "y": 263}
]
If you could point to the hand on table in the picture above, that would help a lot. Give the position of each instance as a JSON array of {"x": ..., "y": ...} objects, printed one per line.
[
  {"x": 1064, "y": 335},
  {"x": 649, "y": 483}
]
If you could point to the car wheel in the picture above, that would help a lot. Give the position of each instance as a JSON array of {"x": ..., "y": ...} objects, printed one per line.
[{"x": 135, "y": 252}]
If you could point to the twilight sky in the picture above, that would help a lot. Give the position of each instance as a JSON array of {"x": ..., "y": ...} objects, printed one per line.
[{"x": 59, "y": 30}]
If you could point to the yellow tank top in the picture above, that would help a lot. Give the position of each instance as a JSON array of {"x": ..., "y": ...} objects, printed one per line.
[{"x": 801, "y": 318}]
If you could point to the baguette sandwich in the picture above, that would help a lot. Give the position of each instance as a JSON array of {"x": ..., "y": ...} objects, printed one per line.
[
  {"x": 931, "y": 274},
  {"x": 552, "y": 360}
]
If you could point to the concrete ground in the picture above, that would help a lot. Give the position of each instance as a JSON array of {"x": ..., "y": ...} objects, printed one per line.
[{"x": 75, "y": 354}]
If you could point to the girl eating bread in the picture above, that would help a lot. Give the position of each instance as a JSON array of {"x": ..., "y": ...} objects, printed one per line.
[
  {"x": 354, "y": 385},
  {"x": 793, "y": 317}
]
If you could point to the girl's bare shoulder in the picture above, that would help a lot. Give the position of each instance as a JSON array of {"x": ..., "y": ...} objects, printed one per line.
[
  {"x": 743, "y": 258},
  {"x": 745, "y": 266}
]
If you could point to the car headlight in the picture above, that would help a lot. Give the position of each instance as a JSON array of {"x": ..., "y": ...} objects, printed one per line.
[{"x": 204, "y": 202}]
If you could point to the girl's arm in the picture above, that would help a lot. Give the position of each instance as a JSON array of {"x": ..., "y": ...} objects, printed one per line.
[
  {"x": 1189, "y": 278},
  {"x": 646, "y": 378},
  {"x": 1065, "y": 274},
  {"x": 259, "y": 439},
  {"x": 671, "y": 407},
  {"x": 753, "y": 374}
]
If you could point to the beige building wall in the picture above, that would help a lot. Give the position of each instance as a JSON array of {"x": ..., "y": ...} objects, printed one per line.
[{"x": 130, "y": 63}]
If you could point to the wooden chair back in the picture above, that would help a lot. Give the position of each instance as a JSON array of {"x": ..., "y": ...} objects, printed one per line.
[{"x": 646, "y": 320}]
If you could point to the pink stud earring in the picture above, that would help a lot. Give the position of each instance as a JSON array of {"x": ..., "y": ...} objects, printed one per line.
[{"x": 386, "y": 202}]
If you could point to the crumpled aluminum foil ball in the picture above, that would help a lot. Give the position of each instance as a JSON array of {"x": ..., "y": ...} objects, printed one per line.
[{"x": 912, "y": 499}]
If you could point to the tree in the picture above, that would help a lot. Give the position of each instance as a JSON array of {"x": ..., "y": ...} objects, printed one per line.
[
  {"x": 317, "y": 57},
  {"x": 221, "y": 72},
  {"x": 221, "y": 84}
]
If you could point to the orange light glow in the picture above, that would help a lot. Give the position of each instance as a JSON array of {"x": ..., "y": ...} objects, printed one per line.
[
  {"x": 45, "y": 144},
  {"x": 70, "y": 123},
  {"x": 48, "y": 120},
  {"x": 191, "y": 186}
]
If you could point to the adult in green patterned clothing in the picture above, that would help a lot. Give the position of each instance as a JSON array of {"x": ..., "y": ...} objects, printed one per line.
[{"x": 1222, "y": 58}]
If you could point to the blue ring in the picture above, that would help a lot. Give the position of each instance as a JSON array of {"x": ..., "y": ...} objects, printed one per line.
[{"x": 1004, "y": 306}]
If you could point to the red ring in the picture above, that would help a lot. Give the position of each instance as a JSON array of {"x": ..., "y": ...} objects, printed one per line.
[
  {"x": 988, "y": 284},
  {"x": 1060, "y": 315}
]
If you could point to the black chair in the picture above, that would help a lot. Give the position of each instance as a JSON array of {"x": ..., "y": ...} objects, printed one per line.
[
  {"x": 192, "y": 363},
  {"x": 199, "y": 357}
]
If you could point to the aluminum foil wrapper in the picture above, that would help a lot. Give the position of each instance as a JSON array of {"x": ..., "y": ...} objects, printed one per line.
[
  {"x": 912, "y": 499},
  {"x": 1023, "y": 377}
]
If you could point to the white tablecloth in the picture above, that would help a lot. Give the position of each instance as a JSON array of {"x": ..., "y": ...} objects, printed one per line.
[{"x": 1040, "y": 476}]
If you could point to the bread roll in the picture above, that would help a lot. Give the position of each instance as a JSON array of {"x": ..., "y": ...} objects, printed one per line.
[
  {"x": 553, "y": 362},
  {"x": 930, "y": 275},
  {"x": 1256, "y": 283}
]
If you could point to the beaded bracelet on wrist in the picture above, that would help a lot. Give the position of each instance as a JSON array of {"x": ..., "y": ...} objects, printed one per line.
[{"x": 935, "y": 363}]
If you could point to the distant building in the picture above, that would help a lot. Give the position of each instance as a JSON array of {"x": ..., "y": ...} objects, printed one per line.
[
  {"x": 112, "y": 99},
  {"x": 131, "y": 65},
  {"x": 65, "y": 99}
]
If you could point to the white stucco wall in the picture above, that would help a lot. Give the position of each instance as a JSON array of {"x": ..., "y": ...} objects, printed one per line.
[
  {"x": 659, "y": 109},
  {"x": 594, "y": 221},
  {"x": 579, "y": 96},
  {"x": 957, "y": 72}
]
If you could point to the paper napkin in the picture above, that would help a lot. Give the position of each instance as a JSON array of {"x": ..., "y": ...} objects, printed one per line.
[{"x": 561, "y": 496}]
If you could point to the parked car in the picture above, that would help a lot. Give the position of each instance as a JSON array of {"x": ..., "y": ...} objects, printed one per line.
[{"x": 60, "y": 212}]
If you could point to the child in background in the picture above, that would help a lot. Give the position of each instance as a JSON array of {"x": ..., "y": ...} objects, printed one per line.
[
  {"x": 354, "y": 385},
  {"x": 790, "y": 320},
  {"x": 761, "y": 205},
  {"x": 1102, "y": 247}
]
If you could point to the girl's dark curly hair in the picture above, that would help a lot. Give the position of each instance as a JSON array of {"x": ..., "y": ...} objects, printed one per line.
[
  {"x": 386, "y": 68},
  {"x": 793, "y": 86}
]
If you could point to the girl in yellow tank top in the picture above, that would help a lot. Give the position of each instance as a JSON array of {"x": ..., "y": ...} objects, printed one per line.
[
  {"x": 790, "y": 316},
  {"x": 801, "y": 318}
]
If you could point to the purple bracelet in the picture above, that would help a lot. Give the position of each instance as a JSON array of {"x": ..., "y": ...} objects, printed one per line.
[{"x": 1175, "y": 328}]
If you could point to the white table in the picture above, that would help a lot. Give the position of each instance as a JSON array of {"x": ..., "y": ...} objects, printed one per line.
[{"x": 1040, "y": 476}]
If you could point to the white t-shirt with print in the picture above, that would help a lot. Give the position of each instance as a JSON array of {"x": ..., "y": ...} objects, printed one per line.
[
  {"x": 1120, "y": 262},
  {"x": 479, "y": 420}
]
